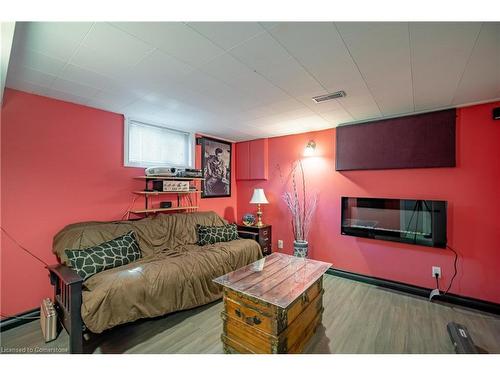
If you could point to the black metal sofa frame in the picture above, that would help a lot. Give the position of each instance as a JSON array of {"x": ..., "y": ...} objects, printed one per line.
[{"x": 68, "y": 299}]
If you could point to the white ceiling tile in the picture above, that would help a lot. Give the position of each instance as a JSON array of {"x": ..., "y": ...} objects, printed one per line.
[
  {"x": 229, "y": 133},
  {"x": 18, "y": 84},
  {"x": 359, "y": 104},
  {"x": 440, "y": 51},
  {"x": 270, "y": 109},
  {"x": 330, "y": 105},
  {"x": 141, "y": 109},
  {"x": 255, "y": 133},
  {"x": 113, "y": 100},
  {"x": 174, "y": 38},
  {"x": 102, "y": 63},
  {"x": 229, "y": 70},
  {"x": 203, "y": 83},
  {"x": 105, "y": 106},
  {"x": 320, "y": 49},
  {"x": 87, "y": 77},
  {"x": 111, "y": 46},
  {"x": 193, "y": 120},
  {"x": 23, "y": 56},
  {"x": 110, "y": 52},
  {"x": 143, "y": 105},
  {"x": 198, "y": 81},
  {"x": 361, "y": 112},
  {"x": 178, "y": 93},
  {"x": 65, "y": 96},
  {"x": 337, "y": 117},
  {"x": 179, "y": 112},
  {"x": 280, "y": 118},
  {"x": 74, "y": 88},
  {"x": 56, "y": 39},
  {"x": 223, "y": 110},
  {"x": 268, "y": 58},
  {"x": 171, "y": 113},
  {"x": 159, "y": 65},
  {"x": 183, "y": 120},
  {"x": 269, "y": 25},
  {"x": 36, "y": 77},
  {"x": 165, "y": 101},
  {"x": 381, "y": 50},
  {"x": 227, "y": 34},
  {"x": 181, "y": 75},
  {"x": 296, "y": 125},
  {"x": 481, "y": 79},
  {"x": 134, "y": 83},
  {"x": 155, "y": 72}
]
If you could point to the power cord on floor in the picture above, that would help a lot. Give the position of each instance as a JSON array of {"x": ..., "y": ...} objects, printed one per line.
[
  {"x": 34, "y": 256},
  {"x": 20, "y": 317}
]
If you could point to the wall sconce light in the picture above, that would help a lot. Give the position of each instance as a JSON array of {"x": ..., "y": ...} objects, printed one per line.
[{"x": 310, "y": 149}]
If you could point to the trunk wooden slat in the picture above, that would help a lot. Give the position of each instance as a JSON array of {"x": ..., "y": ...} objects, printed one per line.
[{"x": 252, "y": 320}]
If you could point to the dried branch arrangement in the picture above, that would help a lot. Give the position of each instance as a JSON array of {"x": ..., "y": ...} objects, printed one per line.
[{"x": 302, "y": 207}]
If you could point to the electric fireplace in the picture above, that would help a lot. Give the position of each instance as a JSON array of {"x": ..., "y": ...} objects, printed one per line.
[{"x": 420, "y": 222}]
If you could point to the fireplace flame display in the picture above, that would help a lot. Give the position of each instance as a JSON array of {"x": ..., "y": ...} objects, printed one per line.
[{"x": 419, "y": 222}]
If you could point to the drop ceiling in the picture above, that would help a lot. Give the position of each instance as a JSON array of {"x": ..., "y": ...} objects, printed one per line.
[{"x": 246, "y": 80}]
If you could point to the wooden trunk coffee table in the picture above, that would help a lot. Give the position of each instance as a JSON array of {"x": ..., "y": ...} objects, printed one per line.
[{"x": 272, "y": 305}]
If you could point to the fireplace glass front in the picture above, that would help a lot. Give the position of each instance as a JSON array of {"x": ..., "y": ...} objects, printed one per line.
[{"x": 420, "y": 222}]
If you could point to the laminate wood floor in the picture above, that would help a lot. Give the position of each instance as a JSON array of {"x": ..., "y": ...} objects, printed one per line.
[{"x": 358, "y": 318}]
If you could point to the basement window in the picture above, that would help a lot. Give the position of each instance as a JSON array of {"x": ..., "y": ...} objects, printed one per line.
[{"x": 151, "y": 145}]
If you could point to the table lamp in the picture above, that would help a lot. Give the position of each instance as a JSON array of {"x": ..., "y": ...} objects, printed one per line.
[{"x": 259, "y": 198}]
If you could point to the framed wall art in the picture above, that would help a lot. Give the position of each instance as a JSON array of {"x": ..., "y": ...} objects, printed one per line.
[{"x": 216, "y": 166}]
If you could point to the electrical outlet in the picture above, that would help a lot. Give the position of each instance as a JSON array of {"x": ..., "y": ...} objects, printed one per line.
[
  {"x": 436, "y": 270},
  {"x": 280, "y": 244}
]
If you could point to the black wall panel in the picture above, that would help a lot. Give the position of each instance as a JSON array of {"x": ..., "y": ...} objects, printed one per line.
[{"x": 419, "y": 141}]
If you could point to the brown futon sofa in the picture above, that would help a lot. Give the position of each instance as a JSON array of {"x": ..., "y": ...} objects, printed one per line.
[{"x": 173, "y": 274}]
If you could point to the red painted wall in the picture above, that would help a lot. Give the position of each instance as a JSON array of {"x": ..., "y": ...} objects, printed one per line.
[
  {"x": 63, "y": 163},
  {"x": 471, "y": 189},
  {"x": 60, "y": 163}
]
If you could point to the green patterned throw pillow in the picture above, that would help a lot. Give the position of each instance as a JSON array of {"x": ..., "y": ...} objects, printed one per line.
[
  {"x": 210, "y": 235},
  {"x": 122, "y": 250}
]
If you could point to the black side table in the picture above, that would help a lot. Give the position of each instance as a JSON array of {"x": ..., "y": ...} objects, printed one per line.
[{"x": 263, "y": 236}]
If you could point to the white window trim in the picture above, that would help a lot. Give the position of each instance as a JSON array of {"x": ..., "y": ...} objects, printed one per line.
[{"x": 127, "y": 163}]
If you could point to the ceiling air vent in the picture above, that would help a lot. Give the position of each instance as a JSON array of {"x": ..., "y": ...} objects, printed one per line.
[{"x": 324, "y": 98}]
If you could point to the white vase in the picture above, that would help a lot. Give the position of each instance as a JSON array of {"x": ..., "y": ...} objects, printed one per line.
[{"x": 300, "y": 248}]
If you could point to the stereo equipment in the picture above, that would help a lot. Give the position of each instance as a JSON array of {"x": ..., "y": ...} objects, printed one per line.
[
  {"x": 161, "y": 171},
  {"x": 190, "y": 172},
  {"x": 496, "y": 113},
  {"x": 166, "y": 204},
  {"x": 173, "y": 172},
  {"x": 173, "y": 186},
  {"x": 48, "y": 320},
  {"x": 461, "y": 339}
]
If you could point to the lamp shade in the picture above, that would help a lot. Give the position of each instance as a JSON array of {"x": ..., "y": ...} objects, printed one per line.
[{"x": 258, "y": 197}]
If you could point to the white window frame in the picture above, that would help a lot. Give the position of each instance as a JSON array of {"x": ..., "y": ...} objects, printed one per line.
[{"x": 128, "y": 163}]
